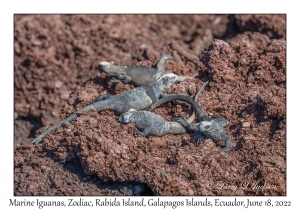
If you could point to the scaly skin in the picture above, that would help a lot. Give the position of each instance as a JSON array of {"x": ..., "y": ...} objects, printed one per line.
[{"x": 136, "y": 99}]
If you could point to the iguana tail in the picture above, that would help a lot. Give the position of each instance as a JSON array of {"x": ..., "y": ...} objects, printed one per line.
[
  {"x": 196, "y": 98},
  {"x": 160, "y": 64},
  {"x": 172, "y": 97},
  {"x": 40, "y": 137},
  {"x": 99, "y": 106}
]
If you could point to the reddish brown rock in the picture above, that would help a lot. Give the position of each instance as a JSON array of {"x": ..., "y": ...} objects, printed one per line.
[{"x": 246, "y": 125}]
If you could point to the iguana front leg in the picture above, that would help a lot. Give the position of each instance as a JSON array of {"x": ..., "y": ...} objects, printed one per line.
[
  {"x": 124, "y": 78},
  {"x": 227, "y": 143},
  {"x": 145, "y": 132},
  {"x": 200, "y": 138}
]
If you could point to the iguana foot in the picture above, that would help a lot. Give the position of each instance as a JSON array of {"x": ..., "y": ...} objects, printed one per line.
[
  {"x": 225, "y": 149},
  {"x": 199, "y": 141}
]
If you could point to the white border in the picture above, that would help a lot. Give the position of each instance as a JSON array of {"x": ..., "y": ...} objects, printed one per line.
[{"x": 153, "y": 6}]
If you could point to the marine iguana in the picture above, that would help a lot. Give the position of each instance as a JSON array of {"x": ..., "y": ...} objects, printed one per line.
[
  {"x": 151, "y": 123},
  {"x": 136, "y": 75},
  {"x": 211, "y": 127},
  {"x": 155, "y": 125},
  {"x": 208, "y": 127},
  {"x": 138, "y": 98}
]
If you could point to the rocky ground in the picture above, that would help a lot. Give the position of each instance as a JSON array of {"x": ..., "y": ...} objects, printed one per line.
[{"x": 55, "y": 62}]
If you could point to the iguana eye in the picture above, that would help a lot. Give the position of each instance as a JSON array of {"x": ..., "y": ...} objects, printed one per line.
[
  {"x": 207, "y": 126},
  {"x": 165, "y": 80}
]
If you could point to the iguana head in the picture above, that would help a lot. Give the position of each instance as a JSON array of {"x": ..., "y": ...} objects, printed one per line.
[
  {"x": 205, "y": 125},
  {"x": 110, "y": 68},
  {"x": 167, "y": 81},
  {"x": 127, "y": 117},
  {"x": 211, "y": 128}
]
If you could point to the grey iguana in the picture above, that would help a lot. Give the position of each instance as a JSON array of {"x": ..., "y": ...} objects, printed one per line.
[{"x": 134, "y": 74}]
